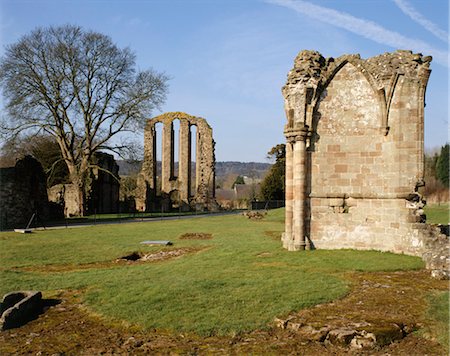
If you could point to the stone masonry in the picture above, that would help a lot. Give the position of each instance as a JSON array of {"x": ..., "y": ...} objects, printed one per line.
[
  {"x": 177, "y": 189},
  {"x": 354, "y": 152},
  {"x": 23, "y": 192}
]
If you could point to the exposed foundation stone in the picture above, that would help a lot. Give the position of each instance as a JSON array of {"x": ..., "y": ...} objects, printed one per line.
[
  {"x": 354, "y": 155},
  {"x": 17, "y": 308},
  {"x": 177, "y": 189}
]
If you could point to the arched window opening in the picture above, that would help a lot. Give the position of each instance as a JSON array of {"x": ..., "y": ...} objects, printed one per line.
[{"x": 176, "y": 149}]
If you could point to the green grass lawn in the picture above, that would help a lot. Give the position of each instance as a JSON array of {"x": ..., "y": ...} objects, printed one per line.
[
  {"x": 240, "y": 279},
  {"x": 438, "y": 214},
  {"x": 439, "y": 312}
]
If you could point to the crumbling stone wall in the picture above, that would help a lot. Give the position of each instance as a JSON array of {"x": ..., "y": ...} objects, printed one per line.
[
  {"x": 103, "y": 197},
  {"x": 23, "y": 192},
  {"x": 177, "y": 189},
  {"x": 354, "y": 153}
]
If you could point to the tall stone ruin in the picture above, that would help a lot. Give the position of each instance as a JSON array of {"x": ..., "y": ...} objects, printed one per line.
[
  {"x": 354, "y": 152},
  {"x": 177, "y": 190}
]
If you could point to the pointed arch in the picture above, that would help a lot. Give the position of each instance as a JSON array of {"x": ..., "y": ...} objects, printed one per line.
[{"x": 378, "y": 90}]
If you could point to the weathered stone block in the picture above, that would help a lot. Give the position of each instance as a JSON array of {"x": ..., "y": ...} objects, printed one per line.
[{"x": 19, "y": 307}]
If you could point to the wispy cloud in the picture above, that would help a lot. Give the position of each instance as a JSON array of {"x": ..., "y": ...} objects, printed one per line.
[
  {"x": 416, "y": 16},
  {"x": 362, "y": 27}
]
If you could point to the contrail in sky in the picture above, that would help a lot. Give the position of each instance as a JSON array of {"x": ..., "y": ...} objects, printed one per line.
[
  {"x": 362, "y": 27},
  {"x": 421, "y": 20}
]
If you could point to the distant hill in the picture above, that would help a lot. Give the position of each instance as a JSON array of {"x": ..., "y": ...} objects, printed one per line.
[
  {"x": 250, "y": 169},
  {"x": 128, "y": 168}
]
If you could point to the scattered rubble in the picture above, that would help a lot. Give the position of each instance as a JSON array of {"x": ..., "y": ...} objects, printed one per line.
[{"x": 254, "y": 214}]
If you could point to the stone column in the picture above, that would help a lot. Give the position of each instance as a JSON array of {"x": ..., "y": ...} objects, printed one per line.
[
  {"x": 296, "y": 209},
  {"x": 287, "y": 236},
  {"x": 167, "y": 157},
  {"x": 198, "y": 159},
  {"x": 154, "y": 161},
  {"x": 184, "y": 164}
]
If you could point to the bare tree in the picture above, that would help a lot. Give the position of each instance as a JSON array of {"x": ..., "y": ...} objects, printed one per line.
[{"x": 79, "y": 87}]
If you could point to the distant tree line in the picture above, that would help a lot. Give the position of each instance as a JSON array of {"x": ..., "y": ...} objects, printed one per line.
[
  {"x": 436, "y": 173},
  {"x": 273, "y": 185}
]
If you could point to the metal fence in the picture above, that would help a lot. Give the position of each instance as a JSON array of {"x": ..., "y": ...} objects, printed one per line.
[{"x": 267, "y": 204}]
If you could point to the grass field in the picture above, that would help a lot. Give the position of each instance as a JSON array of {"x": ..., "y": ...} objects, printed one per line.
[
  {"x": 237, "y": 281},
  {"x": 438, "y": 214},
  {"x": 439, "y": 312}
]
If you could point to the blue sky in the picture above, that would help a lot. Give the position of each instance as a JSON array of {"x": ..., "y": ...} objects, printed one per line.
[{"x": 228, "y": 59}]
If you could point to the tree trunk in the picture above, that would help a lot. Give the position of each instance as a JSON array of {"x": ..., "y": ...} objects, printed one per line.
[{"x": 78, "y": 181}]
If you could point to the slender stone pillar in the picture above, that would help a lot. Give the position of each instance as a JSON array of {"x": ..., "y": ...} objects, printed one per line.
[
  {"x": 287, "y": 237},
  {"x": 299, "y": 180},
  {"x": 184, "y": 168},
  {"x": 294, "y": 237},
  {"x": 198, "y": 159},
  {"x": 154, "y": 161}
]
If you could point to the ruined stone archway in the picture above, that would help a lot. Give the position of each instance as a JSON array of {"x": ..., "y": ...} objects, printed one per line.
[
  {"x": 354, "y": 151},
  {"x": 202, "y": 196}
]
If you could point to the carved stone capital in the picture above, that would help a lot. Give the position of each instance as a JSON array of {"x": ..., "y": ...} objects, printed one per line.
[{"x": 296, "y": 134}]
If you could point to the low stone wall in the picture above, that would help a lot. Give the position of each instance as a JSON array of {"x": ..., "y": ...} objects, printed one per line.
[
  {"x": 379, "y": 224},
  {"x": 436, "y": 248}
]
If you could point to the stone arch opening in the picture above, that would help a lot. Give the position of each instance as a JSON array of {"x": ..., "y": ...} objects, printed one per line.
[
  {"x": 176, "y": 149},
  {"x": 158, "y": 130}
]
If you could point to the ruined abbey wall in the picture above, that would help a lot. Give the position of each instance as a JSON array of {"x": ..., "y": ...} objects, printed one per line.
[
  {"x": 177, "y": 189},
  {"x": 354, "y": 155},
  {"x": 23, "y": 192}
]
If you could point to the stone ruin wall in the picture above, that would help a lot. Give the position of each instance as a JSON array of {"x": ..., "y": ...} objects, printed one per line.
[
  {"x": 23, "y": 192},
  {"x": 104, "y": 195},
  {"x": 177, "y": 187},
  {"x": 354, "y": 152}
]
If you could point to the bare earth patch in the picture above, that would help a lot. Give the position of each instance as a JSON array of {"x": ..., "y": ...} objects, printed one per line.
[
  {"x": 377, "y": 300},
  {"x": 128, "y": 259},
  {"x": 196, "y": 236},
  {"x": 276, "y": 235}
]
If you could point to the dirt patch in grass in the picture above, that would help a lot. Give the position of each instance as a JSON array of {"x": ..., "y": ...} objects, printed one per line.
[
  {"x": 264, "y": 254},
  {"x": 131, "y": 258},
  {"x": 196, "y": 236},
  {"x": 276, "y": 235},
  {"x": 375, "y": 300}
]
